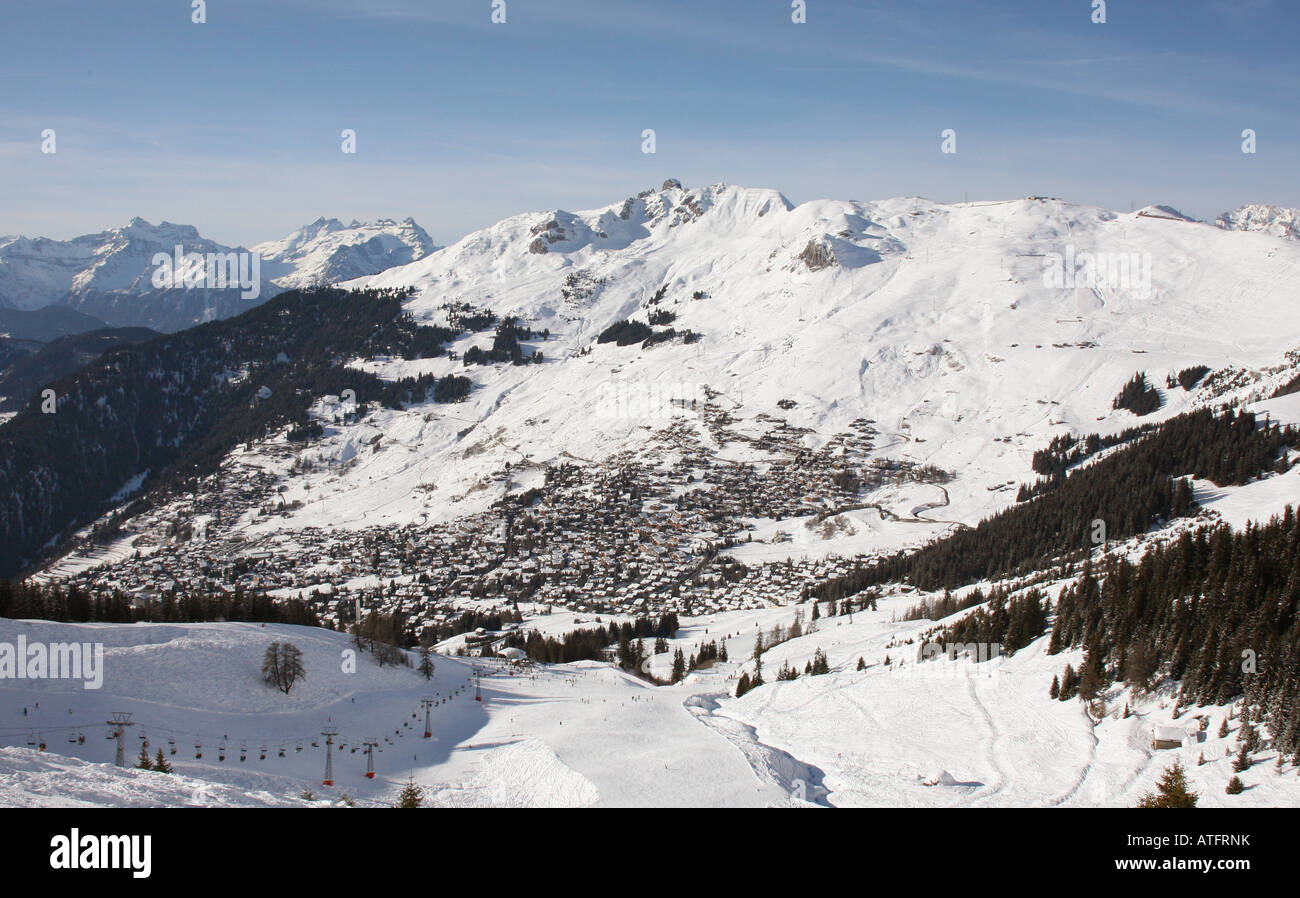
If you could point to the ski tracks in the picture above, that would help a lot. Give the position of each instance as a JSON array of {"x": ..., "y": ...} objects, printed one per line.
[{"x": 990, "y": 747}]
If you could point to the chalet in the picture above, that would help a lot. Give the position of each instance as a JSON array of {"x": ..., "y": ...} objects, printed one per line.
[{"x": 1173, "y": 736}]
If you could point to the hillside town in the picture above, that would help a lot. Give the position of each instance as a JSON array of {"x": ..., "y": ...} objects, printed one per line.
[{"x": 641, "y": 532}]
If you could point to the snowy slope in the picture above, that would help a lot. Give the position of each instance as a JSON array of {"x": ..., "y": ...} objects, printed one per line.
[
  {"x": 587, "y": 734},
  {"x": 568, "y": 735}
]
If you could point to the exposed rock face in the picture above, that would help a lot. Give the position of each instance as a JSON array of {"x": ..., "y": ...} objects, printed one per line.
[
  {"x": 1276, "y": 220},
  {"x": 672, "y": 184},
  {"x": 547, "y": 232},
  {"x": 817, "y": 256}
]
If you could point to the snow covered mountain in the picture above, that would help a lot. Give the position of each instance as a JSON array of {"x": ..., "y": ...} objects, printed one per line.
[
  {"x": 696, "y": 401},
  {"x": 1276, "y": 220},
  {"x": 328, "y": 251},
  {"x": 111, "y": 275},
  {"x": 967, "y": 335},
  {"x": 38, "y": 272},
  {"x": 955, "y": 327}
]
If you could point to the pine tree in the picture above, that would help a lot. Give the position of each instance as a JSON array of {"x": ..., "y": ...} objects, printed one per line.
[
  {"x": 742, "y": 685},
  {"x": 1250, "y": 737},
  {"x": 1055, "y": 691},
  {"x": 819, "y": 663},
  {"x": 1223, "y": 729},
  {"x": 1242, "y": 761},
  {"x": 1091, "y": 680},
  {"x": 160, "y": 763},
  {"x": 1171, "y": 791},
  {"x": 679, "y": 666},
  {"x": 411, "y": 796},
  {"x": 1235, "y": 786},
  {"x": 1069, "y": 684},
  {"x": 862, "y": 665},
  {"x": 426, "y": 662},
  {"x": 143, "y": 762}
]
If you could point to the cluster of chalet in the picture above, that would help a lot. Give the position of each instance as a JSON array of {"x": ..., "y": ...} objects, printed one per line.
[{"x": 642, "y": 532}]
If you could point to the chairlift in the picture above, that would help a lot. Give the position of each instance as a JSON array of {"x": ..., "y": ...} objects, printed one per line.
[
  {"x": 221, "y": 752},
  {"x": 262, "y": 754},
  {"x": 299, "y": 746},
  {"x": 243, "y": 752},
  {"x": 282, "y": 749},
  {"x": 72, "y": 737},
  {"x": 198, "y": 750},
  {"x": 172, "y": 744}
]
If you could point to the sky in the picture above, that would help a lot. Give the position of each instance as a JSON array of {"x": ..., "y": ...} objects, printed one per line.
[{"x": 235, "y": 124}]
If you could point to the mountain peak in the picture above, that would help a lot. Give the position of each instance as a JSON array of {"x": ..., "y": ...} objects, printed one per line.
[{"x": 1278, "y": 221}]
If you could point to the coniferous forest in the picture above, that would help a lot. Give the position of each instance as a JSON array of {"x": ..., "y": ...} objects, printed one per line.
[
  {"x": 174, "y": 406},
  {"x": 1130, "y": 490},
  {"x": 1217, "y": 609},
  {"x": 25, "y": 600}
]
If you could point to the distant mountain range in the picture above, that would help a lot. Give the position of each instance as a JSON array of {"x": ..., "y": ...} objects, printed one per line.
[
  {"x": 968, "y": 335},
  {"x": 111, "y": 275}
]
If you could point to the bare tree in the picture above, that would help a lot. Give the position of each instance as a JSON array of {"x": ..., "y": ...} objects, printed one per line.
[{"x": 282, "y": 666}]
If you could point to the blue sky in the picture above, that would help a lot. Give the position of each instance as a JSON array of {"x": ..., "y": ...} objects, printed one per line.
[{"x": 234, "y": 125}]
